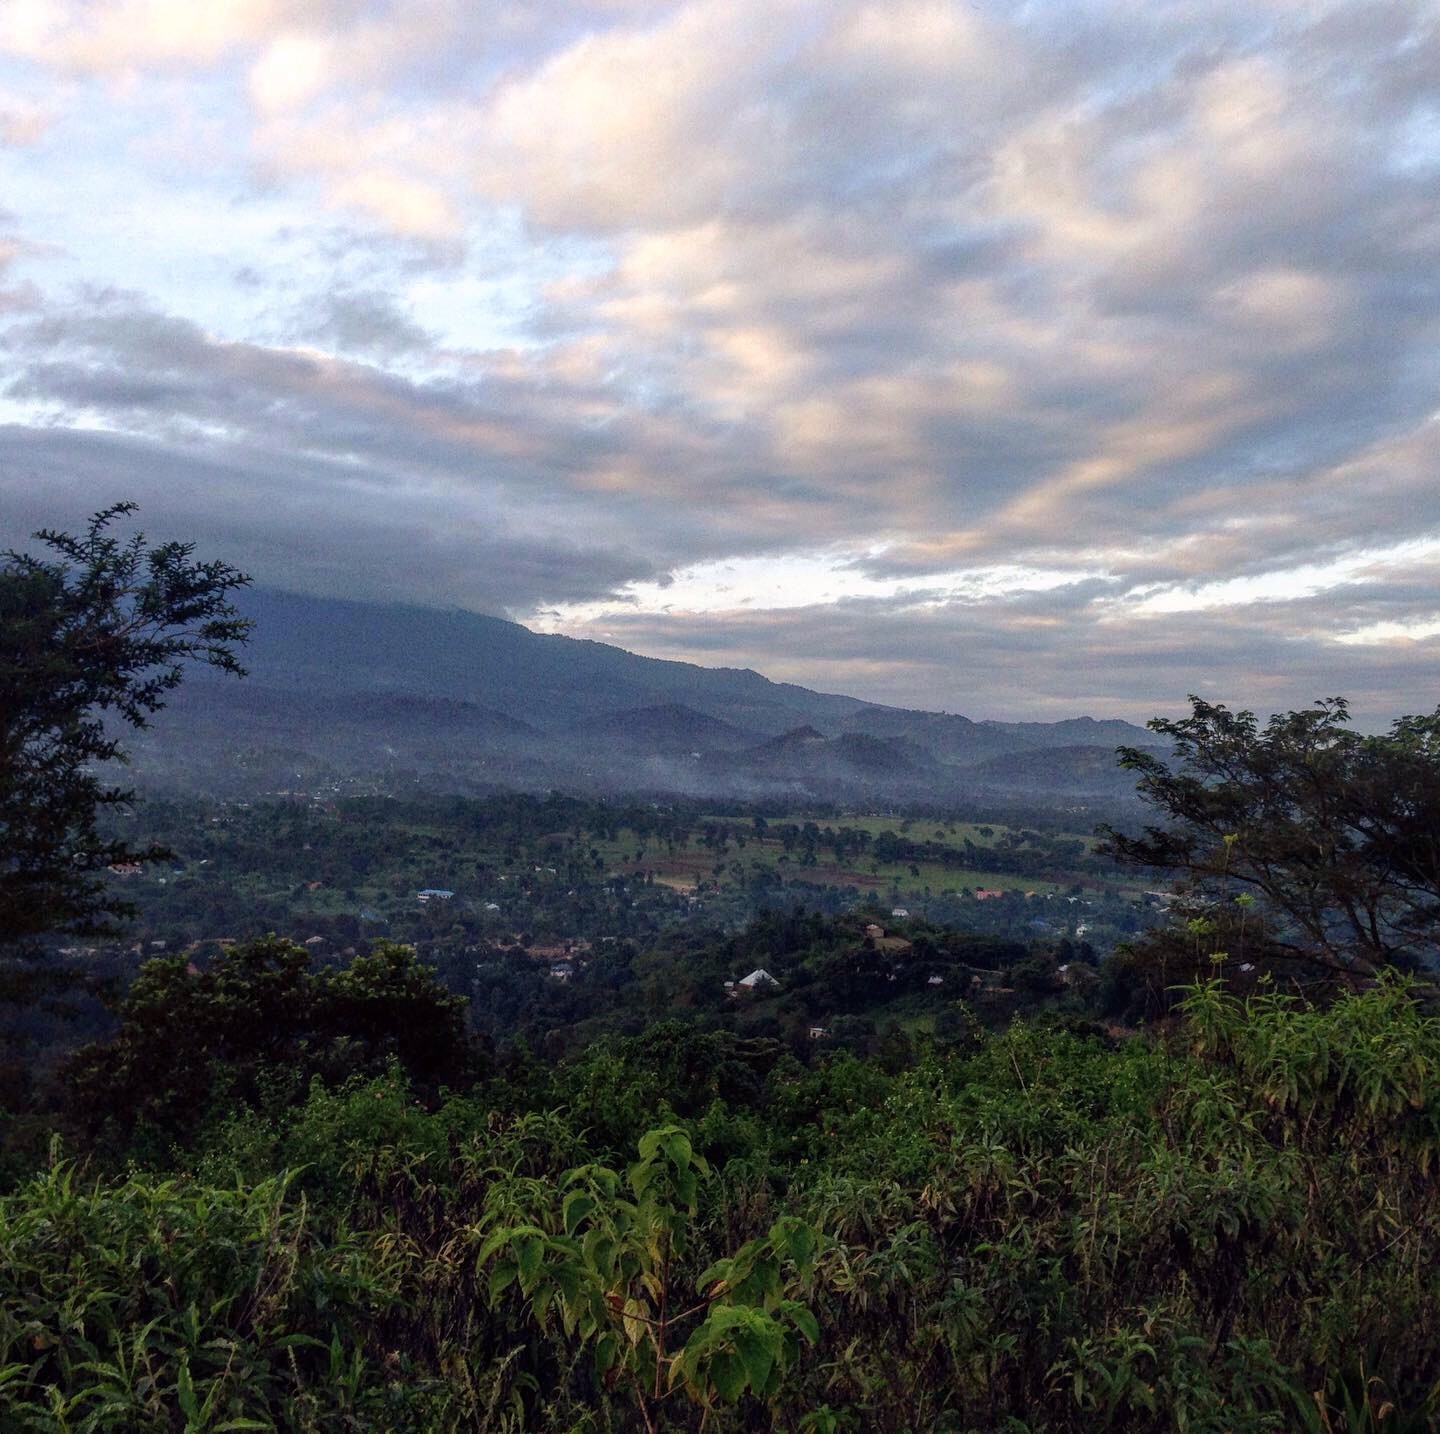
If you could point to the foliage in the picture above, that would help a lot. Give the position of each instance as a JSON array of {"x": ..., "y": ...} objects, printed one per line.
[
  {"x": 253, "y": 1028},
  {"x": 1338, "y": 833},
  {"x": 146, "y": 1305},
  {"x": 606, "y": 1265},
  {"x": 101, "y": 630},
  {"x": 1231, "y": 1230},
  {"x": 304, "y": 1203}
]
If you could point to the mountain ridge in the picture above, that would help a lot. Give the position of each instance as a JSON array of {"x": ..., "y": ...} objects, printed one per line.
[{"x": 445, "y": 697}]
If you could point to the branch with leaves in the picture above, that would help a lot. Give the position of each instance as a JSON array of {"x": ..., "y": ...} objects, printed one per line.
[
  {"x": 606, "y": 1269},
  {"x": 98, "y": 633}
]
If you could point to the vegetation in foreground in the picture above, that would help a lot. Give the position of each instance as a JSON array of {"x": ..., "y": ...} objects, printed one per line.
[{"x": 1228, "y": 1229}]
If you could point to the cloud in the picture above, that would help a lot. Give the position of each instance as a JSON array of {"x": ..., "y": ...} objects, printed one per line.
[
  {"x": 23, "y": 122},
  {"x": 1142, "y": 296},
  {"x": 293, "y": 68},
  {"x": 301, "y": 522},
  {"x": 360, "y": 322}
]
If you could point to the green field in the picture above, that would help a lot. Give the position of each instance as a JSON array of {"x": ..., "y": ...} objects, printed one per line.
[{"x": 689, "y": 865}]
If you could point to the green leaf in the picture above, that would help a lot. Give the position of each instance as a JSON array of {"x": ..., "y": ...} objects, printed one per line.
[
  {"x": 530, "y": 1256},
  {"x": 492, "y": 1242},
  {"x": 720, "y": 1272},
  {"x": 727, "y": 1374},
  {"x": 576, "y": 1207},
  {"x": 796, "y": 1239},
  {"x": 803, "y": 1320},
  {"x": 501, "y": 1277},
  {"x": 758, "y": 1345},
  {"x": 185, "y": 1393}
]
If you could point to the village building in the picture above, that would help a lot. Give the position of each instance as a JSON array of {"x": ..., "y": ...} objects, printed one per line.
[{"x": 758, "y": 980}]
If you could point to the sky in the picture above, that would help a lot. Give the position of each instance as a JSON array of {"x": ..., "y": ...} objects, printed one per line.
[{"x": 1020, "y": 360}]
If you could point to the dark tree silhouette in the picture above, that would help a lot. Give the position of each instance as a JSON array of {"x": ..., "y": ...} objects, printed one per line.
[
  {"x": 1336, "y": 834},
  {"x": 92, "y": 639}
]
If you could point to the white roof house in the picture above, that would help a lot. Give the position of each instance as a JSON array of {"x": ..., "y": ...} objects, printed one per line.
[{"x": 757, "y": 978}]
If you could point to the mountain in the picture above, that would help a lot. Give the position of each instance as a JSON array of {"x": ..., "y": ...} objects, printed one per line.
[
  {"x": 1080, "y": 770},
  {"x": 671, "y": 729},
  {"x": 551, "y": 682},
  {"x": 398, "y": 697}
]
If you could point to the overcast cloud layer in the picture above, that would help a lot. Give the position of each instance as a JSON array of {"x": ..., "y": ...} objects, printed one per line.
[{"x": 1019, "y": 359}]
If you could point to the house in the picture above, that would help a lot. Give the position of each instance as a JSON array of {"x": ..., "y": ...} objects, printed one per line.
[
  {"x": 988, "y": 894},
  {"x": 874, "y": 931},
  {"x": 819, "y": 1033},
  {"x": 561, "y": 971},
  {"x": 935, "y": 981},
  {"x": 434, "y": 893},
  {"x": 758, "y": 980},
  {"x": 899, "y": 911}
]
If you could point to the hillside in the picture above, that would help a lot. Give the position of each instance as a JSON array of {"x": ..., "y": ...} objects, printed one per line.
[{"x": 445, "y": 699}]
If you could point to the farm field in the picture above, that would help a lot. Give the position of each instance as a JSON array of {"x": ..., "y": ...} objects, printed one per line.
[{"x": 690, "y": 870}]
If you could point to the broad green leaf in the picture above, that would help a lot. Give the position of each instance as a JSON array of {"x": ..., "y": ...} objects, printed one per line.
[
  {"x": 530, "y": 1255},
  {"x": 758, "y": 1344},
  {"x": 803, "y": 1320},
  {"x": 576, "y": 1207},
  {"x": 727, "y": 1374},
  {"x": 501, "y": 1278}
]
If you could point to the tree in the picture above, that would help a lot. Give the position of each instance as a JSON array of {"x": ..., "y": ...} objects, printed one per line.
[
  {"x": 92, "y": 639},
  {"x": 1333, "y": 833},
  {"x": 260, "y": 1022}
]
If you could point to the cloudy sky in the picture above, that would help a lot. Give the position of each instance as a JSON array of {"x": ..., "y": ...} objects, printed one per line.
[{"x": 1016, "y": 359}]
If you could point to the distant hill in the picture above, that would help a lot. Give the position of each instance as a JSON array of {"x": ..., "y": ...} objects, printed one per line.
[
  {"x": 404, "y": 697},
  {"x": 1088, "y": 770},
  {"x": 668, "y": 730}
]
